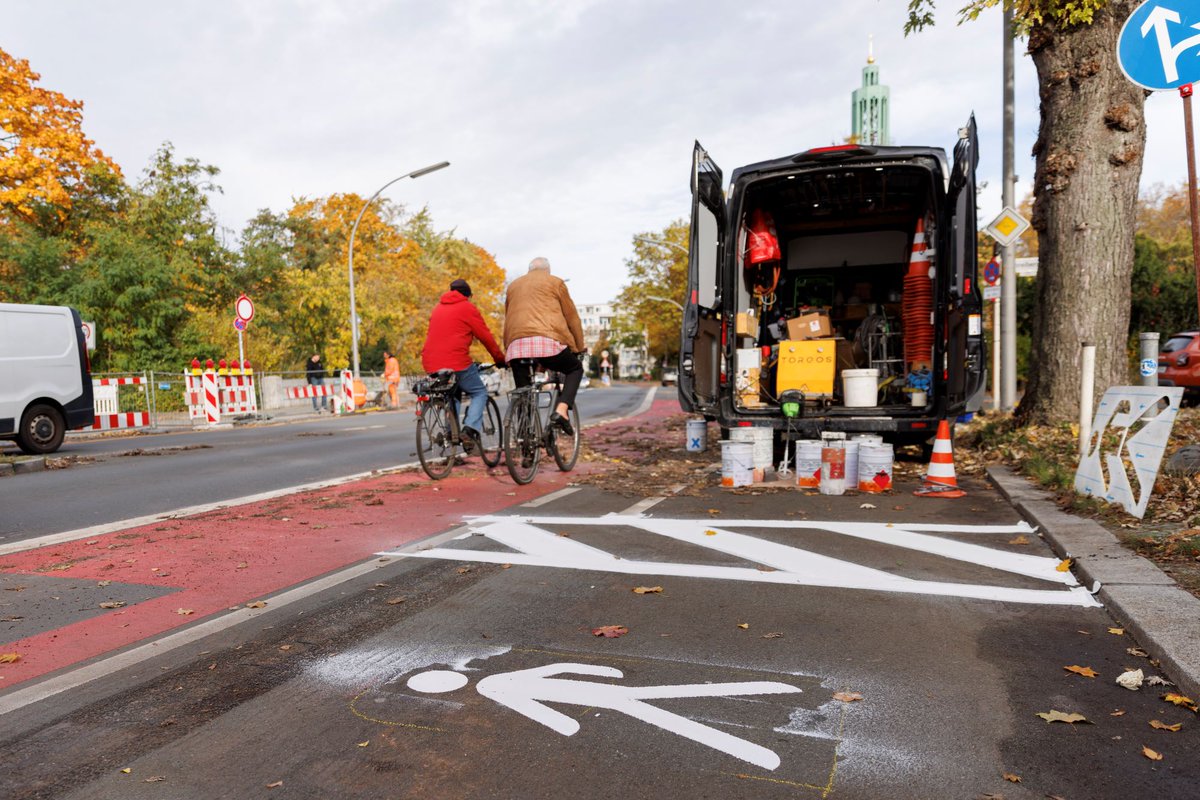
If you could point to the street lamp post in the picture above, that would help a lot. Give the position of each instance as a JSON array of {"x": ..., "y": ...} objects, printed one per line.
[
  {"x": 663, "y": 242},
  {"x": 417, "y": 173},
  {"x": 675, "y": 303}
]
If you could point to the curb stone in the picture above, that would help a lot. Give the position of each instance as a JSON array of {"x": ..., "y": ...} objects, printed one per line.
[
  {"x": 29, "y": 465},
  {"x": 1162, "y": 617},
  {"x": 6, "y": 469}
]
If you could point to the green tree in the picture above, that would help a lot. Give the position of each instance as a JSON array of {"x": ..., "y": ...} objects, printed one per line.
[
  {"x": 1089, "y": 155},
  {"x": 657, "y": 275}
]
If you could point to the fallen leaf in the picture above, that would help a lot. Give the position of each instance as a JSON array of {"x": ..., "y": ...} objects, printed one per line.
[
  {"x": 127, "y": 770},
  {"x": 9, "y": 658},
  {"x": 1022, "y": 539},
  {"x": 1062, "y": 716},
  {"x": 1180, "y": 700},
  {"x": 647, "y": 590},
  {"x": 868, "y": 505},
  {"x": 1131, "y": 680},
  {"x": 364, "y": 744},
  {"x": 1008, "y": 776},
  {"x": 610, "y": 631},
  {"x": 710, "y": 533},
  {"x": 714, "y": 511},
  {"x": 847, "y": 697},
  {"x": 1162, "y": 726},
  {"x": 1118, "y": 713},
  {"x": 1086, "y": 672},
  {"x": 772, "y": 635},
  {"x": 1064, "y": 565},
  {"x": 1151, "y": 754},
  {"x": 113, "y": 604},
  {"x": 1137, "y": 651},
  {"x": 1117, "y": 631},
  {"x": 463, "y": 570},
  {"x": 98, "y": 583},
  {"x": 506, "y": 566},
  {"x": 256, "y": 604},
  {"x": 395, "y": 601},
  {"x": 275, "y": 785},
  {"x": 285, "y": 647},
  {"x": 1157, "y": 680},
  {"x": 241, "y": 565},
  {"x": 183, "y": 612},
  {"x": 744, "y": 626}
]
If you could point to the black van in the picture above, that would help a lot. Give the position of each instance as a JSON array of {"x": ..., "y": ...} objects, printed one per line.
[{"x": 869, "y": 263}]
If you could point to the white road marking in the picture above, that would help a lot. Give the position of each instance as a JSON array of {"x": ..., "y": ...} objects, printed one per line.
[
  {"x": 640, "y": 506},
  {"x": 537, "y": 546},
  {"x": 527, "y": 691},
  {"x": 550, "y": 498}
]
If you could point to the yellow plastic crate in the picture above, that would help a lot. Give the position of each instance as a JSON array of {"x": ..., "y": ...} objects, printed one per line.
[{"x": 808, "y": 366}]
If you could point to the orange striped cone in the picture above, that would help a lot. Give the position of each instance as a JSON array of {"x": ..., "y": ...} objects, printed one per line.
[{"x": 940, "y": 480}]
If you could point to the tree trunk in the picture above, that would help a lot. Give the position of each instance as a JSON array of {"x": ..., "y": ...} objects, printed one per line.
[{"x": 1089, "y": 161}]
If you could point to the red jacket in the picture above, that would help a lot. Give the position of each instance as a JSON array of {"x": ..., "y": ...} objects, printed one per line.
[{"x": 454, "y": 324}]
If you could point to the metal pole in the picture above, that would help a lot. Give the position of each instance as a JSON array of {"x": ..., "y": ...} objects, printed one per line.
[
  {"x": 350, "y": 260},
  {"x": 1087, "y": 378},
  {"x": 1148, "y": 344},
  {"x": 1185, "y": 92},
  {"x": 997, "y": 405},
  {"x": 241, "y": 350},
  {"x": 1008, "y": 280}
]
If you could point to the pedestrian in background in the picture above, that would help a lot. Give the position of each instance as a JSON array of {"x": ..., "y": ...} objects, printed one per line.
[
  {"x": 391, "y": 378},
  {"x": 314, "y": 373}
]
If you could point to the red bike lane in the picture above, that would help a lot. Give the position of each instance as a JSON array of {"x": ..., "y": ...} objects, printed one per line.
[{"x": 227, "y": 558}]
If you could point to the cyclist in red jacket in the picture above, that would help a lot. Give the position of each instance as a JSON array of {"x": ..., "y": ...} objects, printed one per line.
[{"x": 454, "y": 324}]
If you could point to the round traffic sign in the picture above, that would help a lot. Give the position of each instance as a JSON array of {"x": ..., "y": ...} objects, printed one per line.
[
  {"x": 239, "y": 323},
  {"x": 1159, "y": 47},
  {"x": 244, "y": 308},
  {"x": 991, "y": 273}
]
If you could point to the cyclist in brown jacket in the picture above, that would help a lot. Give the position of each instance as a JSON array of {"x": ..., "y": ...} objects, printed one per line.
[{"x": 542, "y": 326}]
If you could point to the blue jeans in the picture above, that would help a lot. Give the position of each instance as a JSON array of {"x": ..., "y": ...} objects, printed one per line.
[
  {"x": 472, "y": 386},
  {"x": 324, "y": 400}
]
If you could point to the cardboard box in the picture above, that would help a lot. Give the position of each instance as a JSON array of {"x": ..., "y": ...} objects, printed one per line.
[
  {"x": 810, "y": 325},
  {"x": 747, "y": 324},
  {"x": 808, "y": 366},
  {"x": 748, "y": 376}
]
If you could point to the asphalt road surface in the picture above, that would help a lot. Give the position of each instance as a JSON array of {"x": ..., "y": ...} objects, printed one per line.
[{"x": 786, "y": 645}]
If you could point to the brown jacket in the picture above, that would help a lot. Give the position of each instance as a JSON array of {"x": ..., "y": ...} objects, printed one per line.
[{"x": 538, "y": 305}]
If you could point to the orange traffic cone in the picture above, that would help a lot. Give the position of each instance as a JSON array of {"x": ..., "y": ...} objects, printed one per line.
[{"x": 940, "y": 480}]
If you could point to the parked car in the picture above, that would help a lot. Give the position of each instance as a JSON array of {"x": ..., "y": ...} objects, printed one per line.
[
  {"x": 45, "y": 378},
  {"x": 1179, "y": 363},
  {"x": 670, "y": 376},
  {"x": 821, "y": 270}
]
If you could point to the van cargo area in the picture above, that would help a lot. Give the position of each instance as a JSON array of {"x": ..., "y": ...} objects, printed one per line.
[{"x": 835, "y": 290}]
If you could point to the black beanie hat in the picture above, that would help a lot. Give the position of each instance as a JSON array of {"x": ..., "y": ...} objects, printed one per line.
[{"x": 461, "y": 286}]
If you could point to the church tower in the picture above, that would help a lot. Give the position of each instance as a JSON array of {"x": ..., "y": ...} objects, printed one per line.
[{"x": 869, "y": 105}]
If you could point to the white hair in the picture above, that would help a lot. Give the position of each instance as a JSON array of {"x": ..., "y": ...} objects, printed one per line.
[{"x": 539, "y": 263}]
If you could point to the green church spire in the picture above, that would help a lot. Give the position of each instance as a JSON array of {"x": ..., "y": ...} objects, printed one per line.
[{"x": 869, "y": 105}]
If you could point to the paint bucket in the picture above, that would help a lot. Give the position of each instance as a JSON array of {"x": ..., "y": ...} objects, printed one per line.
[
  {"x": 852, "y": 446},
  {"x": 808, "y": 463},
  {"x": 833, "y": 467},
  {"x": 860, "y": 388},
  {"x": 696, "y": 436},
  {"x": 763, "y": 442},
  {"x": 868, "y": 438},
  {"x": 737, "y": 464},
  {"x": 875, "y": 463},
  {"x": 919, "y": 399}
]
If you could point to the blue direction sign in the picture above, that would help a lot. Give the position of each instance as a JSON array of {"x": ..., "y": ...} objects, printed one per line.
[{"x": 1159, "y": 47}]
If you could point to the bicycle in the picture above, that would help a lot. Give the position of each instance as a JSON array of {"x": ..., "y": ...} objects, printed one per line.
[
  {"x": 439, "y": 430},
  {"x": 526, "y": 433}
]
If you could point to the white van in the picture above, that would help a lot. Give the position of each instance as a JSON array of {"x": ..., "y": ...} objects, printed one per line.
[{"x": 45, "y": 381}]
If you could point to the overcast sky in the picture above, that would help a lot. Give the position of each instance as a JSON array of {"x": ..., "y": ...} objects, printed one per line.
[{"x": 569, "y": 123}]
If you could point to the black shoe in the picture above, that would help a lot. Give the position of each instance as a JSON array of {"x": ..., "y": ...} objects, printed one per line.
[
  {"x": 562, "y": 423},
  {"x": 470, "y": 438}
]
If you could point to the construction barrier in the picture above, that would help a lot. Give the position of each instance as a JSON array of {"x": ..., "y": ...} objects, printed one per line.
[
  {"x": 108, "y": 416},
  {"x": 341, "y": 393},
  {"x": 211, "y": 394}
]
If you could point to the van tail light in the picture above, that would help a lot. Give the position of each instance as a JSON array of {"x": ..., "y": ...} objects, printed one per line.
[{"x": 1182, "y": 361}]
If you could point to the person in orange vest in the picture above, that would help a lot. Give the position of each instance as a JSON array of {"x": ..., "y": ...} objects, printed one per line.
[{"x": 391, "y": 378}]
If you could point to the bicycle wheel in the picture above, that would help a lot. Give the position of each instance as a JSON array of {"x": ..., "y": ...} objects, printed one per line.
[
  {"x": 491, "y": 436},
  {"x": 522, "y": 449},
  {"x": 436, "y": 439},
  {"x": 564, "y": 449}
]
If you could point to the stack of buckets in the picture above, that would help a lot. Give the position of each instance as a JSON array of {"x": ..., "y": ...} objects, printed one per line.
[{"x": 866, "y": 462}]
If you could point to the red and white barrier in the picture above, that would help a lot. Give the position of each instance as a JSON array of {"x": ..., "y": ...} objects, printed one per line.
[
  {"x": 108, "y": 417},
  {"x": 210, "y": 395},
  {"x": 136, "y": 380},
  {"x": 127, "y": 419},
  {"x": 341, "y": 393}
]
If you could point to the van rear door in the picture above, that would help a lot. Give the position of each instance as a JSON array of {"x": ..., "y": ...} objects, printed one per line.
[
  {"x": 700, "y": 346},
  {"x": 965, "y": 356}
]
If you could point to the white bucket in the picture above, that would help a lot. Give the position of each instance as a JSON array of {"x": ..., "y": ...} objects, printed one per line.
[
  {"x": 737, "y": 464},
  {"x": 763, "y": 441},
  {"x": 875, "y": 463},
  {"x": 860, "y": 387},
  {"x": 852, "y": 446},
  {"x": 808, "y": 463},
  {"x": 868, "y": 438},
  {"x": 697, "y": 435}
]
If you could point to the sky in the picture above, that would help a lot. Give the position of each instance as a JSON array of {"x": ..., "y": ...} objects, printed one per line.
[{"x": 569, "y": 124}]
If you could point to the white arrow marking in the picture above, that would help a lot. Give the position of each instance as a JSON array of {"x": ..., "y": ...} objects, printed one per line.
[
  {"x": 526, "y": 691},
  {"x": 1158, "y": 21}
]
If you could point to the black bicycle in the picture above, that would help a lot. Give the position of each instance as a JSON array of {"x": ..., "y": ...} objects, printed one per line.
[
  {"x": 439, "y": 431},
  {"x": 527, "y": 431}
]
